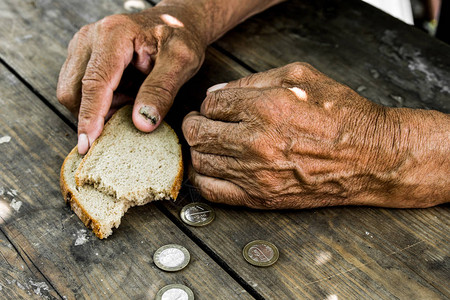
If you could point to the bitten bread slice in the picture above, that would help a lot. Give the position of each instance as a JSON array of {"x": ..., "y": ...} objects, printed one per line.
[
  {"x": 98, "y": 211},
  {"x": 131, "y": 165}
]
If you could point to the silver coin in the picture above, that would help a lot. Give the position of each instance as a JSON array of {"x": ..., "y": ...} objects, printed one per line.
[
  {"x": 197, "y": 214},
  {"x": 261, "y": 253},
  {"x": 171, "y": 257},
  {"x": 175, "y": 292}
]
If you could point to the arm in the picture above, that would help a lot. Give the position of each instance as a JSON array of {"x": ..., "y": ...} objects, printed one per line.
[
  {"x": 213, "y": 18},
  {"x": 293, "y": 138},
  {"x": 144, "y": 57}
]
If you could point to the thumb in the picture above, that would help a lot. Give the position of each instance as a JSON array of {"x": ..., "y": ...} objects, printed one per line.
[{"x": 155, "y": 97}]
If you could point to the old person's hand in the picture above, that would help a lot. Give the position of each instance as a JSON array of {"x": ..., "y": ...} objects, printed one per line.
[
  {"x": 293, "y": 138},
  {"x": 143, "y": 57}
]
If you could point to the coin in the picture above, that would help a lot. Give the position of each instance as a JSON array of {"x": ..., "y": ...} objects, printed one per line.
[
  {"x": 171, "y": 257},
  {"x": 197, "y": 214},
  {"x": 260, "y": 253},
  {"x": 175, "y": 292}
]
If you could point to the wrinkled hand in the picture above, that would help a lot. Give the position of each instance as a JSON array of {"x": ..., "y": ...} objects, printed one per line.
[
  {"x": 293, "y": 138},
  {"x": 143, "y": 57}
]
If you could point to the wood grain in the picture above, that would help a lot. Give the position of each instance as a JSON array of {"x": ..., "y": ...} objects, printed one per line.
[
  {"x": 19, "y": 278},
  {"x": 73, "y": 260},
  {"x": 351, "y": 253}
]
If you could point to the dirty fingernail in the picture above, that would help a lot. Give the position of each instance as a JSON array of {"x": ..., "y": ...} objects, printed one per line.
[
  {"x": 83, "y": 143},
  {"x": 150, "y": 114},
  {"x": 217, "y": 87}
]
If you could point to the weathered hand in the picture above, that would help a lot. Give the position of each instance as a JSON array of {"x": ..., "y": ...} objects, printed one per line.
[
  {"x": 109, "y": 60},
  {"x": 293, "y": 138}
]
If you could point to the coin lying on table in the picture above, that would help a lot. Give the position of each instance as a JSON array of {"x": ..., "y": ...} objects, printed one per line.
[
  {"x": 260, "y": 253},
  {"x": 171, "y": 257},
  {"x": 175, "y": 292},
  {"x": 197, "y": 214}
]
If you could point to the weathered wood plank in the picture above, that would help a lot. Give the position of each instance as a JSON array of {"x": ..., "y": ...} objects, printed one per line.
[
  {"x": 74, "y": 261},
  {"x": 19, "y": 278},
  {"x": 359, "y": 268},
  {"x": 382, "y": 58},
  {"x": 331, "y": 251}
]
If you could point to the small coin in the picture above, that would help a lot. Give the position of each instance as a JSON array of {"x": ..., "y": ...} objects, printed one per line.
[
  {"x": 171, "y": 257},
  {"x": 260, "y": 253},
  {"x": 175, "y": 292},
  {"x": 197, "y": 214}
]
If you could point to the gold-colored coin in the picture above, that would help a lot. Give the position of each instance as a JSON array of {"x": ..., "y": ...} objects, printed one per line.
[
  {"x": 175, "y": 292},
  {"x": 171, "y": 258},
  {"x": 197, "y": 214},
  {"x": 261, "y": 253}
]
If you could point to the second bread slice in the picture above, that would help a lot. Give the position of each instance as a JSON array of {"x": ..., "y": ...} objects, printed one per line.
[{"x": 132, "y": 165}]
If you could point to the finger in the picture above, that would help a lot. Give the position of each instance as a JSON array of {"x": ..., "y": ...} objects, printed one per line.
[
  {"x": 292, "y": 75},
  {"x": 270, "y": 78},
  {"x": 213, "y": 137},
  {"x": 103, "y": 74},
  {"x": 219, "y": 190},
  {"x": 212, "y": 165},
  {"x": 69, "y": 83},
  {"x": 174, "y": 65},
  {"x": 230, "y": 105}
]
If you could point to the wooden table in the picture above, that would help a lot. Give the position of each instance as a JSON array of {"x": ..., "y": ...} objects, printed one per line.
[{"x": 329, "y": 253}]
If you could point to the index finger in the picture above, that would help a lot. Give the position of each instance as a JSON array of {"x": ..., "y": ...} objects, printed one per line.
[
  {"x": 109, "y": 58},
  {"x": 230, "y": 105}
]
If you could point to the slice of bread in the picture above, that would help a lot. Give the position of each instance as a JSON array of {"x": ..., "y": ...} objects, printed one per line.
[
  {"x": 123, "y": 168},
  {"x": 132, "y": 165},
  {"x": 98, "y": 211}
]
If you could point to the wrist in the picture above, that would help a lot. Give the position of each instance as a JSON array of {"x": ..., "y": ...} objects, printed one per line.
[
  {"x": 410, "y": 167},
  {"x": 424, "y": 179}
]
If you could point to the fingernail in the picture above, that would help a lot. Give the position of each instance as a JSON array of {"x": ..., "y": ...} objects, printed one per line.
[
  {"x": 217, "y": 87},
  {"x": 150, "y": 114},
  {"x": 83, "y": 143}
]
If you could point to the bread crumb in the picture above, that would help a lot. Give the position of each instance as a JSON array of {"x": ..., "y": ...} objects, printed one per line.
[{"x": 5, "y": 139}]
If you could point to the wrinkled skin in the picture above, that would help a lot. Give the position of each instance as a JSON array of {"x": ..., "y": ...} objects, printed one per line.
[
  {"x": 293, "y": 138},
  {"x": 287, "y": 138},
  {"x": 142, "y": 58}
]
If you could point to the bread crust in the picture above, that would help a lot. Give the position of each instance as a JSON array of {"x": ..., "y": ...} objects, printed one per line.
[
  {"x": 176, "y": 186},
  {"x": 71, "y": 199},
  {"x": 75, "y": 205},
  {"x": 179, "y": 178}
]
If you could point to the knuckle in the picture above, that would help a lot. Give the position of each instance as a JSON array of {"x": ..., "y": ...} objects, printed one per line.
[
  {"x": 84, "y": 31},
  {"x": 80, "y": 35},
  {"x": 298, "y": 69},
  {"x": 247, "y": 81},
  {"x": 161, "y": 91},
  {"x": 216, "y": 100},
  {"x": 111, "y": 23},
  {"x": 191, "y": 127},
  {"x": 91, "y": 84},
  {"x": 185, "y": 54},
  {"x": 197, "y": 161},
  {"x": 298, "y": 72},
  {"x": 87, "y": 115},
  {"x": 161, "y": 95},
  {"x": 95, "y": 76},
  {"x": 64, "y": 96}
]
